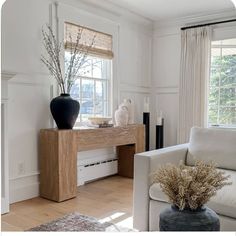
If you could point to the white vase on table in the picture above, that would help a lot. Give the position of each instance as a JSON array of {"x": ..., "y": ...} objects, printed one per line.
[
  {"x": 130, "y": 106},
  {"x": 121, "y": 116}
]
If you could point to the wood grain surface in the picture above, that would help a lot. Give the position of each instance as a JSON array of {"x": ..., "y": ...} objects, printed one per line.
[
  {"x": 58, "y": 155},
  {"x": 101, "y": 199}
]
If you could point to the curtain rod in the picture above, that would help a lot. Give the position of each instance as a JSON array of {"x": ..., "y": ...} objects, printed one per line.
[{"x": 207, "y": 24}]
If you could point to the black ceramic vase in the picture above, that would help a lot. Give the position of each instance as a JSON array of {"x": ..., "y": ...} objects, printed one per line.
[
  {"x": 201, "y": 219},
  {"x": 65, "y": 111}
]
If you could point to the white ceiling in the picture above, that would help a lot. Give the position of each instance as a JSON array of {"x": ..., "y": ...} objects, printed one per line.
[{"x": 166, "y": 9}]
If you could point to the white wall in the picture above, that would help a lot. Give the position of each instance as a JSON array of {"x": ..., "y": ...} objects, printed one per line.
[
  {"x": 31, "y": 90},
  {"x": 146, "y": 64},
  {"x": 166, "y": 67},
  {"x": 166, "y": 60}
]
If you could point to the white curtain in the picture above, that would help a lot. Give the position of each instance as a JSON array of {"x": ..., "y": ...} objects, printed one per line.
[{"x": 194, "y": 77}]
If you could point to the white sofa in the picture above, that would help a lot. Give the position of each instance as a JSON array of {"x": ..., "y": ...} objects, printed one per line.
[{"x": 218, "y": 145}]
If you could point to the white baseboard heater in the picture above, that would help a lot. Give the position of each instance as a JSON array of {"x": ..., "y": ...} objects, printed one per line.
[{"x": 95, "y": 168}]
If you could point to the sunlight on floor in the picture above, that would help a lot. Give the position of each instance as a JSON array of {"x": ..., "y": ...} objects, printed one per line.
[
  {"x": 120, "y": 219},
  {"x": 127, "y": 223},
  {"x": 112, "y": 217}
]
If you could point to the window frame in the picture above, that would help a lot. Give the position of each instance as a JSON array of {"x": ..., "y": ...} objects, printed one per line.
[
  {"x": 219, "y": 87},
  {"x": 108, "y": 81},
  {"x": 61, "y": 13}
]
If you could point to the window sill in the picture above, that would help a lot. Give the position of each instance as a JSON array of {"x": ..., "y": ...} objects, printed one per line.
[{"x": 222, "y": 127}]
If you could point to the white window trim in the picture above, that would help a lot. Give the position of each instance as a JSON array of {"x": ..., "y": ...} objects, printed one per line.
[
  {"x": 224, "y": 126},
  {"x": 108, "y": 99}
]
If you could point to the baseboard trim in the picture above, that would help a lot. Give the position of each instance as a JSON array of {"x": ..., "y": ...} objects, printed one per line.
[
  {"x": 24, "y": 193},
  {"x": 24, "y": 187}
]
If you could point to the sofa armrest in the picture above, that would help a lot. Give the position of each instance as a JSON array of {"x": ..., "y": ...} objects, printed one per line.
[{"x": 144, "y": 164}]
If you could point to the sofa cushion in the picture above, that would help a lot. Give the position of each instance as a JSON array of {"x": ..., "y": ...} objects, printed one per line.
[
  {"x": 224, "y": 203},
  {"x": 212, "y": 144}
]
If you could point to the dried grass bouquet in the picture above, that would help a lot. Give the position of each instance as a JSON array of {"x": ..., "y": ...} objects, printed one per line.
[{"x": 190, "y": 187}]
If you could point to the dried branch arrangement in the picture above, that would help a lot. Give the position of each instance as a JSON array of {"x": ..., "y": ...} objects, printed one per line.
[
  {"x": 190, "y": 187},
  {"x": 54, "y": 59}
]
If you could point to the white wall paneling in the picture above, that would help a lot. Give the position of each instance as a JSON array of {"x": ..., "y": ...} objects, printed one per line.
[
  {"x": 168, "y": 104},
  {"x": 135, "y": 56},
  {"x": 24, "y": 187},
  {"x": 31, "y": 90},
  {"x": 21, "y": 47},
  {"x": 146, "y": 63},
  {"x": 4, "y": 160},
  {"x": 165, "y": 81},
  {"x": 29, "y": 97},
  {"x": 5, "y": 77},
  {"x": 166, "y": 60}
]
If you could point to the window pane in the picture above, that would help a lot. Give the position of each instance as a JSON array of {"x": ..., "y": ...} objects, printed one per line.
[
  {"x": 228, "y": 96},
  {"x": 87, "y": 88},
  {"x": 213, "y": 114},
  {"x": 75, "y": 90},
  {"x": 97, "y": 68},
  {"x": 105, "y": 108},
  {"x": 213, "y": 96},
  {"x": 215, "y": 76},
  {"x": 92, "y": 92},
  {"x": 228, "y": 71},
  {"x": 228, "y": 115},
  {"x": 86, "y": 69},
  {"x": 99, "y": 108},
  {"x": 86, "y": 107},
  {"x": 216, "y": 57},
  {"x": 100, "y": 90}
]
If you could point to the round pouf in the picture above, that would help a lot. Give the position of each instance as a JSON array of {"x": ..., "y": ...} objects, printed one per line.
[
  {"x": 202, "y": 219},
  {"x": 65, "y": 111}
]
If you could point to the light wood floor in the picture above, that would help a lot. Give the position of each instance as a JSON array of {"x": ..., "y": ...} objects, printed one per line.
[{"x": 109, "y": 198}]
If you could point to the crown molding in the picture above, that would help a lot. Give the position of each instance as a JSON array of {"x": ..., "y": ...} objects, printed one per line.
[
  {"x": 195, "y": 19},
  {"x": 118, "y": 12}
]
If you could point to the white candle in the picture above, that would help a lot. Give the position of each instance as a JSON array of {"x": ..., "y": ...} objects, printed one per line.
[
  {"x": 146, "y": 104},
  {"x": 159, "y": 118}
]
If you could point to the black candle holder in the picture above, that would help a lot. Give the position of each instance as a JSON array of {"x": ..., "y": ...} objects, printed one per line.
[
  {"x": 160, "y": 135},
  {"x": 146, "y": 122}
]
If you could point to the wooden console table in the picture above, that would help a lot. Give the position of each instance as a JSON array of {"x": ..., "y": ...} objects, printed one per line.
[{"x": 58, "y": 155}]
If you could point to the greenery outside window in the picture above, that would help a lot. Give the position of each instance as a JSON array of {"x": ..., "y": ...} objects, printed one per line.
[{"x": 222, "y": 90}]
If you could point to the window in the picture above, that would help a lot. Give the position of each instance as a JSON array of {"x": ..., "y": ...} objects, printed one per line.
[
  {"x": 222, "y": 92},
  {"x": 93, "y": 85},
  {"x": 93, "y": 88}
]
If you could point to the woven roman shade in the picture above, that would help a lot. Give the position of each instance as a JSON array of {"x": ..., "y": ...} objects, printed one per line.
[{"x": 101, "y": 47}]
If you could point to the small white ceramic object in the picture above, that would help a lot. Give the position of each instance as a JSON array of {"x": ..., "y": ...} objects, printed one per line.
[
  {"x": 130, "y": 106},
  {"x": 121, "y": 116}
]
